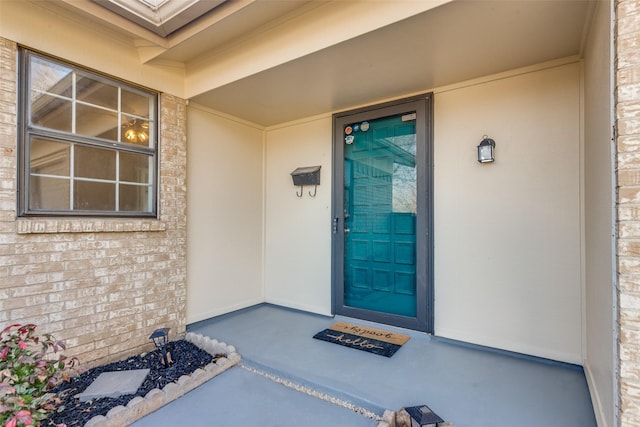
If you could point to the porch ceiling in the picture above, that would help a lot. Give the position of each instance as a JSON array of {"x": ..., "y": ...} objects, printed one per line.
[
  {"x": 448, "y": 43},
  {"x": 457, "y": 41}
]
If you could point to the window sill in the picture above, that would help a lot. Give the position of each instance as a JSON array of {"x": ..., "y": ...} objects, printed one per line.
[{"x": 87, "y": 225}]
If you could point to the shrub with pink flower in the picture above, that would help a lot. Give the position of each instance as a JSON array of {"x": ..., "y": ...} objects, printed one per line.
[{"x": 29, "y": 367}]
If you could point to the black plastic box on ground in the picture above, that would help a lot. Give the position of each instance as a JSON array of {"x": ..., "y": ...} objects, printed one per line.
[{"x": 308, "y": 175}]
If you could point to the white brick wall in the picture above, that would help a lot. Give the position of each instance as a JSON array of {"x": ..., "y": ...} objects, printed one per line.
[
  {"x": 102, "y": 285},
  {"x": 628, "y": 169}
]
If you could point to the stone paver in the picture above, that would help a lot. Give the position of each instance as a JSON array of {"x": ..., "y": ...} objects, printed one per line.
[{"x": 114, "y": 384}]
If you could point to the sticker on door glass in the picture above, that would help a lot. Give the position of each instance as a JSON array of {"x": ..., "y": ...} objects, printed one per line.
[
  {"x": 364, "y": 126},
  {"x": 348, "y": 130},
  {"x": 349, "y": 139},
  {"x": 408, "y": 117}
]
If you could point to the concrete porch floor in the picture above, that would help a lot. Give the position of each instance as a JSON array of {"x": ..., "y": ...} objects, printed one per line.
[{"x": 465, "y": 385}]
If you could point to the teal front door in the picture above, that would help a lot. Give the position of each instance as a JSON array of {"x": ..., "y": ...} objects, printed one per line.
[{"x": 382, "y": 211}]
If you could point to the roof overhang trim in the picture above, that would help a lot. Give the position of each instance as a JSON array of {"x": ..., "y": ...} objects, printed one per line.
[{"x": 163, "y": 17}]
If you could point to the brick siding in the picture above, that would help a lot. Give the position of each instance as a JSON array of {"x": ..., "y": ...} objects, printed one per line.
[
  {"x": 101, "y": 285},
  {"x": 627, "y": 94}
]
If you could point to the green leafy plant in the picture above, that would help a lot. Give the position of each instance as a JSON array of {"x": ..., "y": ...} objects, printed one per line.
[{"x": 30, "y": 366}]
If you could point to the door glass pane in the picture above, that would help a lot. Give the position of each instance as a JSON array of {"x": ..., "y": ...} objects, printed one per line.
[{"x": 380, "y": 192}]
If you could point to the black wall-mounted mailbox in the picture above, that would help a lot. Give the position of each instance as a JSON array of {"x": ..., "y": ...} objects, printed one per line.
[{"x": 308, "y": 175}]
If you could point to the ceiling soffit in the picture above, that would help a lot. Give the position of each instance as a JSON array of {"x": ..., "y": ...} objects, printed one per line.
[
  {"x": 266, "y": 83},
  {"x": 456, "y": 42}
]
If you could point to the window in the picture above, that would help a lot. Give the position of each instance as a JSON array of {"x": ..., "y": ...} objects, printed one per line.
[{"x": 88, "y": 143}]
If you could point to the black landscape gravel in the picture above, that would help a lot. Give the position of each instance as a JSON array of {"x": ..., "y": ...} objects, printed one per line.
[{"x": 187, "y": 358}]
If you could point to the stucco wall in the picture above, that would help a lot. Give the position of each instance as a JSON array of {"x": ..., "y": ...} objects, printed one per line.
[
  {"x": 507, "y": 258},
  {"x": 250, "y": 238},
  {"x": 507, "y": 234},
  {"x": 298, "y": 229},
  {"x": 225, "y": 229},
  {"x": 598, "y": 214}
]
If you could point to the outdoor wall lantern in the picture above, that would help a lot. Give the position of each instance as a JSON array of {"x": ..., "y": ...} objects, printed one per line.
[
  {"x": 160, "y": 338},
  {"x": 485, "y": 150},
  {"x": 307, "y": 175}
]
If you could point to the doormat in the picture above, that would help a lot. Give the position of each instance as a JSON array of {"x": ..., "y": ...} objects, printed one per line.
[{"x": 377, "y": 341}]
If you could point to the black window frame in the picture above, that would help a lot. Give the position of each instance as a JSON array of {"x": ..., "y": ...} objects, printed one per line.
[{"x": 26, "y": 131}]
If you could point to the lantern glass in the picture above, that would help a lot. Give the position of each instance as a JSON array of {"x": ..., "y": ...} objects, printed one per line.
[
  {"x": 160, "y": 337},
  {"x": 485, "y": 150}
]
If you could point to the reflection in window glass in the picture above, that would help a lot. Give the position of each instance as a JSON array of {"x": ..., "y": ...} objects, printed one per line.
[
  {"x": 49, "y": 193},
  {"x": 136, "y": 131},
  {"x": 136, "y": 104},
  {"x": 92, "y": 121},
  {"x": 48, "y": 157},
  {"x": 94, "y": 196},
  {"x": 404, "y": 170},
  {"x": 51, "y": 112},
  {"x": 96, "y": 92},
  {"x": 96, "y": 163},
  {"x": 88, "y": 142},
  {"x": 134, "y": 198},
  {"x": 50, "y": 77},
  {"x": 134, "y": 167},
  {"x": 404, "y": 188}
]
